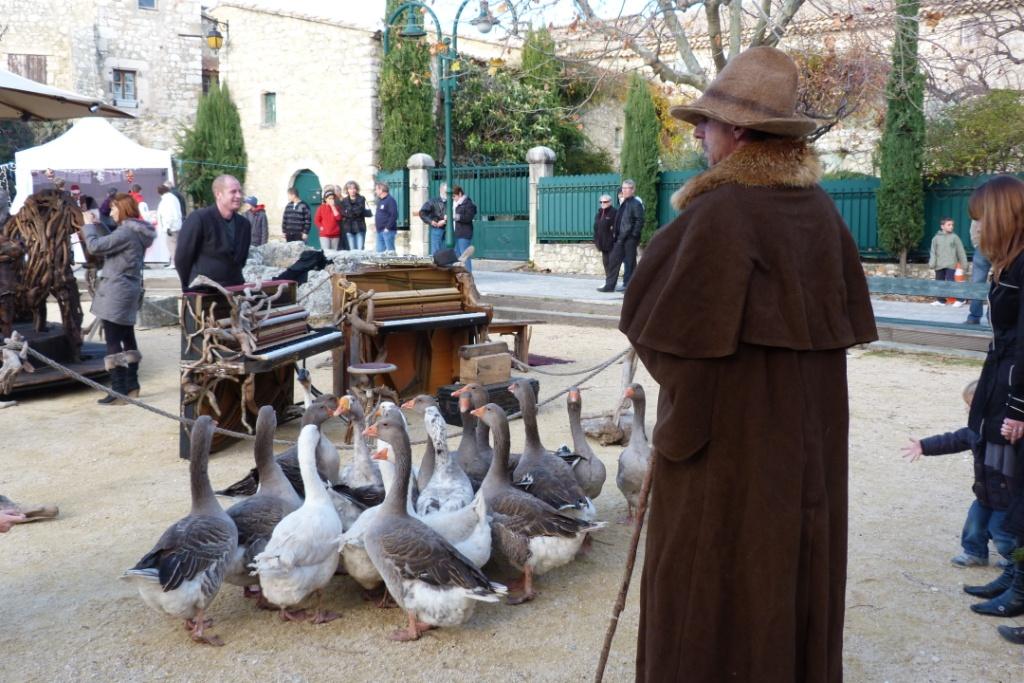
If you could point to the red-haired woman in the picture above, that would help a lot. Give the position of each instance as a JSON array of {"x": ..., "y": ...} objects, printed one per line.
[
  {"x": 119, "y": 292},
  {"x": 997, "y": 412}
]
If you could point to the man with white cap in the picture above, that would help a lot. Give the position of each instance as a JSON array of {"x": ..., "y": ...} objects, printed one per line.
[{"x": 742, "y": 310}]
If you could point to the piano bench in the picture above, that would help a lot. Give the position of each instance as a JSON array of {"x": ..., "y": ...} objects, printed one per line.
[{"x": 520, "y": 330}]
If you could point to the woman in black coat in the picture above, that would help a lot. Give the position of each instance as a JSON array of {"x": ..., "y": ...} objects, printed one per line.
[
  {"x": 997, "y": 412},
  {"x": 353, "y": 216},
  {"x": 604, "y": 229}
]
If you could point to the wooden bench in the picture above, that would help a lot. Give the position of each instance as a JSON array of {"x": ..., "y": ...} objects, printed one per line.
[
  {"x": 520, "y": 331},
  {"x": 955, "y": 335}
]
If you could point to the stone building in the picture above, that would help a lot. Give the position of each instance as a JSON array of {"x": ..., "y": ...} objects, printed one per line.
[
  {"x": 144, "y": 56},
  {"x": 306, "y": 90}
]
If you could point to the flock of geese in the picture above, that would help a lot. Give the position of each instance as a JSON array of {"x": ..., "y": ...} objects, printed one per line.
[{"x": 420, "y": 537}]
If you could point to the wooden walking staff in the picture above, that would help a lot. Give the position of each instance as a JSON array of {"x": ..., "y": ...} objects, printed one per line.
[{"x": 620, "y": 601}]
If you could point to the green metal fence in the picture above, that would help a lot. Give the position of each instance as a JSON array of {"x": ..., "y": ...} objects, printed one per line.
[
  {"x": 668, "y": 183},
  {"x": 398, "y": 187},
  {"x": 855, "y": 199},
  {"x": 567, "y": 205},
  {"x": 496, "y": 190}
]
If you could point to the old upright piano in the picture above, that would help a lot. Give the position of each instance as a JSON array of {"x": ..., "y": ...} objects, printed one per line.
[
  {"x": 231, "y": 383},
  {"x": 421, "y": 315}
]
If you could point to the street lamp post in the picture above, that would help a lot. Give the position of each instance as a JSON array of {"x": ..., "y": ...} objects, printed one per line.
[{"x": 446, "y": 79}]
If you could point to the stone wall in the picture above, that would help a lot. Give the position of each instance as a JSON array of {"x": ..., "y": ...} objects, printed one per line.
[
  {"x": 324, "y": 76},
  {"x": 575, "y": 258},
  {"x": 84, "y": 41},
  {"x": 604, "y": 123}
]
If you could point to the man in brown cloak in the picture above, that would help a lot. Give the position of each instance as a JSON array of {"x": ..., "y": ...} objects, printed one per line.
[{"x": 742, "y": 309}]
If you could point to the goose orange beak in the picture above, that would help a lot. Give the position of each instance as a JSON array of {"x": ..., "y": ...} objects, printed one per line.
[
  {"x": 464, "y": 403},
  {"x": 371, "y": 431},
  {"x": 382, "y": 454},
  {"x": 574, "y": 395},
  {"x": 344, "y": 406},
  {"x": 461, "y": 390},
  {"x": 479, "y": 412},
  {"x": 629, "y": 393},
  {"x": 408, "y": 404}
]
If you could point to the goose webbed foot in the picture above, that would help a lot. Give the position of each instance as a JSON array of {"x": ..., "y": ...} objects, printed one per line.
[
  {"x": 411, "y": 632},
  {"x": 523, "y": 589},
  {"x": 586, "y": 546},
  {"x": 322, "y": 616},
  {"x": 197, "y": 626},
  {"x": 298, "y": 615}
]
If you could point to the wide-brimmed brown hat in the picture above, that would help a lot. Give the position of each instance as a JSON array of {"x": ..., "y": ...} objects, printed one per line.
[{"x": 756, "y": 90}]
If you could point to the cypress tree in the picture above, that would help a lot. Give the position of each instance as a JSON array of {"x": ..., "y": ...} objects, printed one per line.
[
  {"x": 406, "y": 97},
  {"x": 214, "y": 145},
  {"x": 640, "y": 150},
  {"x": 900, "y": 193}
]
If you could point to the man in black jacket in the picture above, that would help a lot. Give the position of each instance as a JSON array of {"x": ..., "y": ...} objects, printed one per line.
[
  {"x": 629, "y": 224},
  {"x": 214, "y": 240},
  {"x": 433, "y": 214}
]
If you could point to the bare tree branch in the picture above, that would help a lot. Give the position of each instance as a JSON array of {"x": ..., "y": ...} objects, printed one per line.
[
  {"x": 735, "y": 27},
  {"x": 715, "y": 32}
]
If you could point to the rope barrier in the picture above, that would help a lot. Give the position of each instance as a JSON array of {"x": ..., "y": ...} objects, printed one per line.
[{"x": 188, "y": 422}]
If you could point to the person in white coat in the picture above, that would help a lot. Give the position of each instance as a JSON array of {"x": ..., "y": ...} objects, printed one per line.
[{"x": 168, "y": 218}]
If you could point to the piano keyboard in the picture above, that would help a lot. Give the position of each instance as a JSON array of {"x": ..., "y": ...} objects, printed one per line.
[{"x": 433, "y": 321}]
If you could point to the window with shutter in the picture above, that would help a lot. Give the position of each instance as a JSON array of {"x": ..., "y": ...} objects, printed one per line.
[
  {"x": 29, "y": 66},
  {"x": 124, "y": 90},
  {"x": 269, "y": 108}
]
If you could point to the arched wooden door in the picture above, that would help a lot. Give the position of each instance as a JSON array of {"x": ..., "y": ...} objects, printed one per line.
[{"x": 308, "y": 186}]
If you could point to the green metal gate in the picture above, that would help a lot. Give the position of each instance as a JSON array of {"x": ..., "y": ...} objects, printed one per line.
[
  {"x": 501, "y": 194},
  {"x": 307, "y": 184}
]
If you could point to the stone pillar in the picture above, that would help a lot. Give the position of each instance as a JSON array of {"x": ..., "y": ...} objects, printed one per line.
[
  {"x": 419, "y": 166},
  {"x": 542, "y": 165}
]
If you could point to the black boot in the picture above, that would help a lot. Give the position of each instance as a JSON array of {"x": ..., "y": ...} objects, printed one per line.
[
  {"x": 1008, "y": 604},
  {"x": 994, "y": 588},
  {"x": 132, "y": 374},
  {"x": 118, "y": 376},
  {"x": 1012, "y": 634}
]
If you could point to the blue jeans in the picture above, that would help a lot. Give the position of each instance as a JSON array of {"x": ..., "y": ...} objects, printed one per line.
[
  {"x": 355, "y": 240},
  {"x": 461, "y": 245},
  {"x": 436, "y": 240},
  {"x": 982, "y": 524},
  {"x": 980, "y": 266},
  {"x": 386, "y": 240}
]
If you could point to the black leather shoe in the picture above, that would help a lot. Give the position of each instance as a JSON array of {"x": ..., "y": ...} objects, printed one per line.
[
  {"x": 1012, "y": 634},
  {"x": 1009, "y": 604},
  {"x": 606, "y": 289},
  {"x": 994, "y": 588}
]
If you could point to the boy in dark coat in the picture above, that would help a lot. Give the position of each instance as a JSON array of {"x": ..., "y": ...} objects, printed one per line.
[{"x": 993, "y": 490}]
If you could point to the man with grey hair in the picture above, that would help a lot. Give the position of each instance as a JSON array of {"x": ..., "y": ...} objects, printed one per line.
[
  {"x": 385, "y": 219},
  {"x": 629, "y": 224},
  {"x": 214, "y": 241}
]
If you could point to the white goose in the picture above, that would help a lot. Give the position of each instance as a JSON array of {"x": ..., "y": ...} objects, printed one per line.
[
  {"x": 362, "y": 471},
  {"x": 449, "y": 488},
  {"x": 432, "y": 581},
  {"x": 302, "y": 555},
  {"x": 183, "y": 572}
]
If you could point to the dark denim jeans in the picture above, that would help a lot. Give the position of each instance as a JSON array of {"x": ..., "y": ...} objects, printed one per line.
[
  {"x": 947, "y": 274},
  {"x": 461, "y": 245},
  {"x": 982, "y": 524},
  {"x": 436, "y": 240},
  {"x": 980, "y": 267}
]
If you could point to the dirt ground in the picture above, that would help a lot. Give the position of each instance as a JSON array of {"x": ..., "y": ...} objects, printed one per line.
[{"x": 117, "y": 478}]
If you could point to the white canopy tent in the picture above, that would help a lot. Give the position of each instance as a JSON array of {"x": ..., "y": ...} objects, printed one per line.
[{"x": 95, "y": 156}]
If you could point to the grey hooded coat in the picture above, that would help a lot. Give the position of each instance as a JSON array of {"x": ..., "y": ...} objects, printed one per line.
[{"x": 119, "y": 292}]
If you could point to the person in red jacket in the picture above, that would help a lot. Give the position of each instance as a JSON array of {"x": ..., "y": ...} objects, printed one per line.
[{"x": 328, "y": 221}]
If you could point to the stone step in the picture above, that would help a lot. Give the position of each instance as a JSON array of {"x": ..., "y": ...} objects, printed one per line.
[
  {"x": 552, "y": 304},
  {"x": 556, "y": 317}
]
